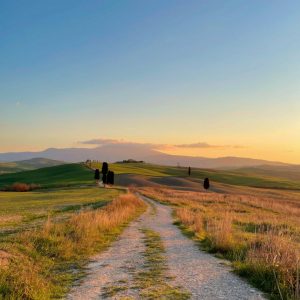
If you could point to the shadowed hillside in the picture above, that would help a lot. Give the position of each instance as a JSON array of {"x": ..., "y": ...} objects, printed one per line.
[
  {"x": 30, "y": 164},
  {"x": 64, "y": 175}
]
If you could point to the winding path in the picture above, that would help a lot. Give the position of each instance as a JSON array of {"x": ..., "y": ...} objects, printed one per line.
[{"x": 111, "y": 273}]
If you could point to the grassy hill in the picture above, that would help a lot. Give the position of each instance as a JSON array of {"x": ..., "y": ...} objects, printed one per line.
[
  {"x": 253, "y": 178},
  {"x": 30, "y": 164},
  {"x": 63, "y": 175},
  {"x": 291, "y": 172},
  {"x": 76, "y": 174}
]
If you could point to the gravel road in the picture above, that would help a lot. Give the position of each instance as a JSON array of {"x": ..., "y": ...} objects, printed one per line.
[{"x": 110, "y": 274}]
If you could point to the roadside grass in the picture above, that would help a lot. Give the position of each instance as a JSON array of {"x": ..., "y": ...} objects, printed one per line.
[
  {"x": 152, "y": 281},
  {"x": 42, "y": 263},
  {"x": 21, "y": 209},
  {"x": 261, "y": 236}
]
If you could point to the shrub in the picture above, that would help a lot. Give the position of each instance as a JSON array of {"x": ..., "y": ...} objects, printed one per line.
[{"x": 21, "y": 187}]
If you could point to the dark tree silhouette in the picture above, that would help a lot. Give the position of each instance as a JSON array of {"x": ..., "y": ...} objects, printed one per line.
[
  {"x": 97, "y": 174},
  {"x": 206, "y": 183},
  {"x": 104, "y": 172},
  {"x": 110, "y": 177},
  {"x": 189, "y": 171}
]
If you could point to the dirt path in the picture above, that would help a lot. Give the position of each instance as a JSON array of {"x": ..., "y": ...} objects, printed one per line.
[{"x": 113, "y": 273}]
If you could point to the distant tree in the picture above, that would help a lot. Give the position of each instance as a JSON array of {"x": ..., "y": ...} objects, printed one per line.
[
  {"x": 189, "y": 171},
  {"x": 206, "y": 183},
  {"x": 104, "y": 172},
  {"x": 97, "y": 175}
]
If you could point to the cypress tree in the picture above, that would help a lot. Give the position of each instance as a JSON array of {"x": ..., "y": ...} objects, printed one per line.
[
  {"x": 206, "y": 183},
  {"x": 110, "y": 177},
  {"x": 97, "y": 174},
  {"x": 104, "y": 172}
]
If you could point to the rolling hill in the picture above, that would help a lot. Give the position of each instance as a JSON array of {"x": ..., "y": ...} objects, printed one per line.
[
  {"x": 142, "y": 174},
  {"x": 290, "y": 172},
  {"x": 57, "y": 176},
  {"x": 30, "y": 164}
]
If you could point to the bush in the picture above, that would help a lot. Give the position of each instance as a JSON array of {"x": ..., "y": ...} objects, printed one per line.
[{"x": 21, "y": 187}]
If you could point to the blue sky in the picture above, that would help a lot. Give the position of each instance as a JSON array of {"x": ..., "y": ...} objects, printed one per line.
[{"x": 219, "y": 72}]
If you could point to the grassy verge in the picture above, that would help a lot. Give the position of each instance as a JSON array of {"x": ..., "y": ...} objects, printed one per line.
[
  {"x": 152, "y": 280},
  {"x": 21, "y": 210},
  {"x": 42, "y": 263},
  {"x": 261, "y": 236}
]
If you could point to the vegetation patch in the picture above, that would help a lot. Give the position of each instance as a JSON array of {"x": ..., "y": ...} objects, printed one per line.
[
  {"x": 152, "y": 281},
  {"x": 263, "y": 244},
  {"x": 21, "y": 187},
  {"x": 42, "y": 263}
]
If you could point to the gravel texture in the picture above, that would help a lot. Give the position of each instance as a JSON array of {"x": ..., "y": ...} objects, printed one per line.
[{"x": 200, "y": 273}]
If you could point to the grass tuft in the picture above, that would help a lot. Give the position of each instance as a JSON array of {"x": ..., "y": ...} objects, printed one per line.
[{"x": 152, "y": 281}]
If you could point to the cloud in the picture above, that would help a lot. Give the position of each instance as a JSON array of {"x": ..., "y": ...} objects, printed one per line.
[
  {"x": 198, "y": 145},
  {"x": 101, "y": 142},
  {"x": 18, "y": 103},
  {"x": 201, "y": 145}
]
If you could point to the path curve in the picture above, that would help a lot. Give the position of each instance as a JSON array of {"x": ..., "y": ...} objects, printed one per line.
[{"x": 198, "y": 272}]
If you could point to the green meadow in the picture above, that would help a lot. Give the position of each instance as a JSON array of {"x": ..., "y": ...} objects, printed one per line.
[
  {"x": 51, "y": 177},
  {"x": 19, "y": 210},
  {"x": 26, "y": 165},
  {"x": 78, "y": 174}
]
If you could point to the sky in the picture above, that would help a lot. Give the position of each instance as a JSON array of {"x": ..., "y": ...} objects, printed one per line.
[{"x": 219, "y": 78}]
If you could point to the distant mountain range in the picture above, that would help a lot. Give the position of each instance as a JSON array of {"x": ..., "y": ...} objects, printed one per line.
[{"x": 118, "y": 152}]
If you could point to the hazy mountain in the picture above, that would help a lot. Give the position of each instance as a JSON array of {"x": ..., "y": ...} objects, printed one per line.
[{"x": 117, "y": 152}]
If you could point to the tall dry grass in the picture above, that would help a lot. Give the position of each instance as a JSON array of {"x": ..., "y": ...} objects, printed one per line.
[
  {"x": 43, "y": 262},
  {"x": 261, "y": 235}
]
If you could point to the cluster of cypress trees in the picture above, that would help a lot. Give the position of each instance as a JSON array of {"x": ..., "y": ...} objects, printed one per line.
[{"x": 108, "y": 177}]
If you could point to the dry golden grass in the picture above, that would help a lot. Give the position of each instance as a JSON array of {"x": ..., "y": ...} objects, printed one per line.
[
  {"x": 39, "y": 262},
  {"x": 261, "y": 235}
]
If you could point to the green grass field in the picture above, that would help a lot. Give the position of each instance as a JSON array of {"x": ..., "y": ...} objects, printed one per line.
[
  {"x": 58, "y": 176},
  {"x": 26, "y": 165},
  {"x": 19, "y": 210}
]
